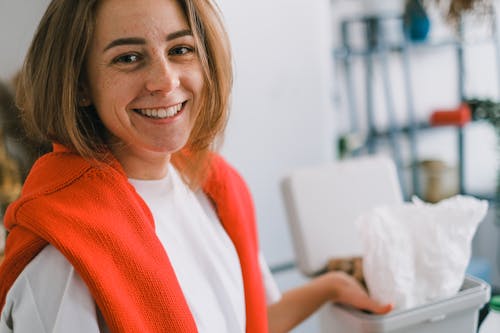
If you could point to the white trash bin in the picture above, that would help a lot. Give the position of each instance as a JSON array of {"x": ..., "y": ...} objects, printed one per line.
[
  {"x": 457, "y": 314},
  {"x": 322, "y": 204}
]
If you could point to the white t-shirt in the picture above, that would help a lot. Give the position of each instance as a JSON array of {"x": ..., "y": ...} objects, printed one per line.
[{"x": 49, "y": 296}]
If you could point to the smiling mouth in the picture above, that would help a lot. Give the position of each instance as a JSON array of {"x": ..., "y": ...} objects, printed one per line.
[{"x": 161, "y": 113}]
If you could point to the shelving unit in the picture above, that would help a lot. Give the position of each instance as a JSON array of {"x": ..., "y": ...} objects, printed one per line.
[{"x": 376, "y": 49}]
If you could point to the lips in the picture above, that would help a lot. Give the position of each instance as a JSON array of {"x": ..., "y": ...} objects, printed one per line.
[{"x": 160, "y": 113}]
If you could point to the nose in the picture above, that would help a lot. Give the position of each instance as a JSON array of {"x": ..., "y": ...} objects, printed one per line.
[{"x": 162, "y": 77}]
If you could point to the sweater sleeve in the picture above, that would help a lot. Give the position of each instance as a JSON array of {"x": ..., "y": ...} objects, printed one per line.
[{"x": 49, "y": 296}]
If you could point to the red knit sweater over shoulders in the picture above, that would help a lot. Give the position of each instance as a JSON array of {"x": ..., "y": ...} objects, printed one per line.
[{"x": 92, "y": 215}]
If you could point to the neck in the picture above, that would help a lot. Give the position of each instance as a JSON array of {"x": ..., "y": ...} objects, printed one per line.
[{"x": 143, "y": 165}]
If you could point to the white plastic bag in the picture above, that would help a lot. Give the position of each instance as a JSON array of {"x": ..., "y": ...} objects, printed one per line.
[{"x": 415, "y": 253}]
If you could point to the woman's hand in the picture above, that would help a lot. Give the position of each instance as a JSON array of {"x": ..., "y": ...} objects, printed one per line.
[
  {"x": 347, "y": 290},
  {"x": 299, "y": 303}
]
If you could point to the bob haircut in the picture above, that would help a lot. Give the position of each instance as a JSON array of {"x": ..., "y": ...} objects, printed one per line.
[{"x": 53, "y": 75}]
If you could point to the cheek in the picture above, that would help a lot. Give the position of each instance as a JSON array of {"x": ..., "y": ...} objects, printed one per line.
[
  {"x": 194, "y": 79},
  {"x": 199, "y": 81},
  {"x": 200, "y": 93},
  {"x": 112, "y": 93},
  {"x": 198, "y": 87}
]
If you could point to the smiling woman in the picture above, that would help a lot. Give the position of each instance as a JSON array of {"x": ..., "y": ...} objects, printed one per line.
[
  {"x": 145, "y": 82},
  {"x": 71, "y": 118},
  {"x": 134, "y": 223}
]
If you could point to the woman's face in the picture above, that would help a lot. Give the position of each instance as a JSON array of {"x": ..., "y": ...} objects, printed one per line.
[{"x": 144, "y": 79}]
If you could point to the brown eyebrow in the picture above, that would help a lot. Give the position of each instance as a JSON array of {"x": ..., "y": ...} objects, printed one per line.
[
  {"x": 180, "y": 33},
  {"x": 142, "y": 41}
]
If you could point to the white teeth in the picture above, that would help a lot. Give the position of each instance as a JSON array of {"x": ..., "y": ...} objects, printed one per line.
[{"x": 161, "y": 113}]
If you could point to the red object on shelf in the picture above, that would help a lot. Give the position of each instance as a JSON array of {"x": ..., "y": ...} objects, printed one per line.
[{"x": 457, "y": 117}]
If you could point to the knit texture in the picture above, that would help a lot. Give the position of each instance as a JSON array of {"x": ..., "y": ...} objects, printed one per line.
[{"x": 93, "y": 216}]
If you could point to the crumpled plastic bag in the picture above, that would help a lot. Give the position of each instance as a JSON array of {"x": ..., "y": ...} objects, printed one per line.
[{"x": 415, "y": 253}]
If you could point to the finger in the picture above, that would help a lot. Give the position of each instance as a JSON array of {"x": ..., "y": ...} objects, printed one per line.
[
  {"x": 378, "y": 308},
  {"x": 383, "y": 309}
]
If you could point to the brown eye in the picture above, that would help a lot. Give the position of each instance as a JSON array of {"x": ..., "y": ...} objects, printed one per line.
[
  {"x": 127, "y": 59},
  {"x": 181, "y": 50}
]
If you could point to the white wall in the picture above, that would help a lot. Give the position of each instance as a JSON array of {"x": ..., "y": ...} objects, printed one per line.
[
  {"x": 18, "y": 21},
  {"x": 281, "y": 105}
]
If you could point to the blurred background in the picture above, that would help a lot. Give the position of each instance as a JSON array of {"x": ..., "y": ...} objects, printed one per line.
[{"x": 324, "y": 80}]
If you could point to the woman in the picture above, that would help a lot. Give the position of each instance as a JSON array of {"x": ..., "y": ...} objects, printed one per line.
[{"x": 133, "y": 223}]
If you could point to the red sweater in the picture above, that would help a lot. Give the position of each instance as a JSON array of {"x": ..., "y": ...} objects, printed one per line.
[{"x": 92, "y": 215}]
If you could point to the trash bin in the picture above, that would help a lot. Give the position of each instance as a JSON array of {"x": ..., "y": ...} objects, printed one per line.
[
  {"x": 322, "y": 203},
  {"x": 457, "y": 314}
]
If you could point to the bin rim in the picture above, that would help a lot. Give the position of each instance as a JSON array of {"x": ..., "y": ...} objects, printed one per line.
[{"x": 473, "y": 294}]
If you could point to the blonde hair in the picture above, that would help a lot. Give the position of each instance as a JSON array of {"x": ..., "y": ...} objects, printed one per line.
[{"x": 53, "y": 73}]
